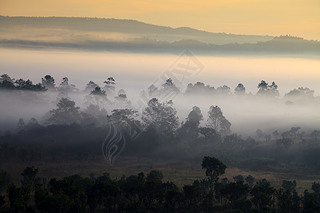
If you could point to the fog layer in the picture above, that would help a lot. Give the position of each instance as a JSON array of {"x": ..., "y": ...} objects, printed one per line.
[{"x": 135, "y": 73}]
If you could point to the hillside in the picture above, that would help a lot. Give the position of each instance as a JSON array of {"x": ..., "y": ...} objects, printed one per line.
[
  {"x": 126, "y": 27},
  {"x": 95, "y": 34}
]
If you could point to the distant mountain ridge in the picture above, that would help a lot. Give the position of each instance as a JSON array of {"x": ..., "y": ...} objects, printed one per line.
[
  {"x": 96, "y": 34},
  {"x": 127, "y": 26}
]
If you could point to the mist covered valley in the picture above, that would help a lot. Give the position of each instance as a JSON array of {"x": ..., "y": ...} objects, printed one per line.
[
  {"x": 101, "y": 113},
  {"x": 159, "y": 106},
  {"x": 135, "y": 73}
]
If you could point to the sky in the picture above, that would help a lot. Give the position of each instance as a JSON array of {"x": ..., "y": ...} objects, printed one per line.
[{"x": 259, "y": 17}]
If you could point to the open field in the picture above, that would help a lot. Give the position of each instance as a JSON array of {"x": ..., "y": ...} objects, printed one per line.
[{"x": 179, "y": 172}]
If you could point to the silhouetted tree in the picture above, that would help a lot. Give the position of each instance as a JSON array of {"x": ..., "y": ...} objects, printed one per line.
[
  {"x": 238, "y": 178},
  {"x": 217, "y": 121},
  {"x": 190, "y": 128},
  {"x": 65, "y": 87},
  {"x": 268, "y": 90},
  {"x": 33, "y": 124},
  {"x": 236, "y": 191},
  {"x": 153, "y": 91},
  {"x": 161, "y": 116},
  {"x": 223, "y": 90},
  {"x": 168, "y": 89},
  {"x": 27, "y": 85},
  {"x": 48, "y": 82},
  {"x": 91, "y": 86},
  {"x": 16, "y": 198},
  {"x": 66, "y": 113},
  {"x": 110, "y": 86},
  {"x": 300, "y": 94},
  {"x": 214, "y": 168},
  {"x": 289, "y": 185},
  {"x": 98, "y": 97},
  {"x": 191, "y": 195},
  {"x": 311, "y": 201},
  {"x": 6, "y": 82},
  {"x": 250, "y": 180},
  {"x": 6, "y": 77},
  {"x": 199, "y": 88},
  {"x": 98, "y": 91},
  {"x": 240, "y": 89},
  {"x": 94, "y": 115},
  {"x": 260, "y": 133},
  {"x": 121, "y": 101},
  {"x": 285, "y": 142},
  {"x": 209, "y": 133},
  {"x": 294, "y": 131},
  {"x": 287, "y": 201},
  {"x": 262, "y": 194},
  {"x": 275, "y": 134},
  {"x": 155, "y": 176}
]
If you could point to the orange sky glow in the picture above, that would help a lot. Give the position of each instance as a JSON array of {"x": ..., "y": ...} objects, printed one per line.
[{"x": 261, "y": 17}]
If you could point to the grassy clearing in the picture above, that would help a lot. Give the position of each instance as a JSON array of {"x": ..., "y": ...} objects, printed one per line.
[{"x": 179, "y": 172}]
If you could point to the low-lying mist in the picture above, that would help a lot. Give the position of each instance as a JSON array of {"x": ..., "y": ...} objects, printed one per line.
[
  {"x": 250, "y": 112},
  {"x": 245, "y": 111}
]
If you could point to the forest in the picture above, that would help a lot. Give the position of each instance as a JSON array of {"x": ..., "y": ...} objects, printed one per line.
[
  {"x": 149, "y": 193},
  {"x": 62, "y": 122}
]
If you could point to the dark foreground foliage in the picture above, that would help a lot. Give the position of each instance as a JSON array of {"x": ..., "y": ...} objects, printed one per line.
[{"x": 149, "y": 193}]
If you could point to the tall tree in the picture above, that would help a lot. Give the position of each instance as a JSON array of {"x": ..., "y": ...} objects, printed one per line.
[
  {"x": 66, "y": 113},
  {"x": 90, "y": 86},
  {"x": 110, "y": 86},
  {"x": 49, "y": 82},
  {"x": 300, "y": 95},
  {"x": 27, "y": 85},
  {"x": 121, "y": 101},
  {"x": 97, "y": 97},
  {"x": 268, "y": 90},
  {"x": 262, "y": 194},
  {"x": 199, "y": 88},
  {"x": 161, "y": 116},
  {"x": 6, "y": 82},
  {"x": 240, "y": 89},
  {"x": 95, "y": 115},
  {"x": 169, "y": 89},
  {"x": 66, "y": 87},
  {"x": 217, "y": 121},
  {"x": 98, "y": 91},
  {"x": 214, "y": 168},
  {"x": 223, "y": 90},
  {"x": 190, "y": 128},
  {"x": 124, "y": 118}
]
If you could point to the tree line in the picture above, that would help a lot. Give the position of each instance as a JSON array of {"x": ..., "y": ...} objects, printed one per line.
[
  {"x": 48, "y": 83},
  {"x": 150, "y": 193},
  {"x": 71, "y": 131},
  {"x": 78, "y": 133}
]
